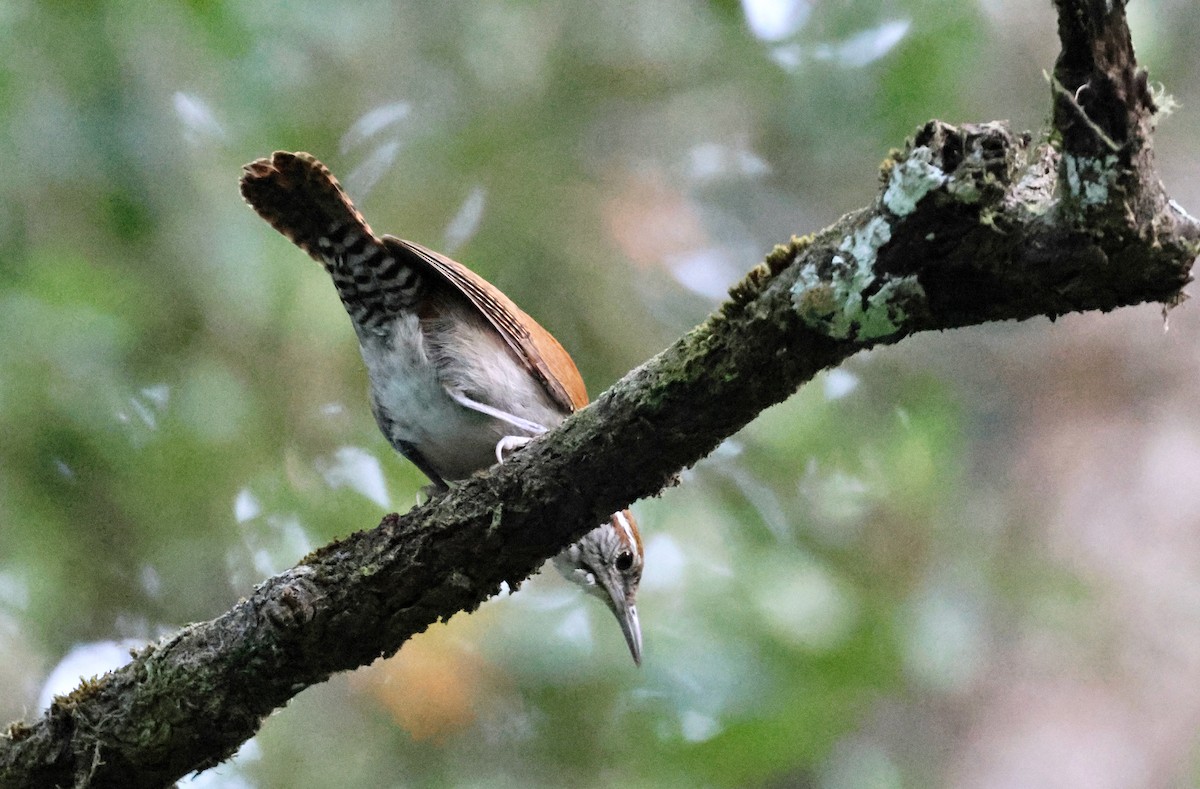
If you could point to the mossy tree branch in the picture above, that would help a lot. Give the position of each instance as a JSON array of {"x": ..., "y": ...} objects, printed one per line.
[{"x": 971, "y": 224}]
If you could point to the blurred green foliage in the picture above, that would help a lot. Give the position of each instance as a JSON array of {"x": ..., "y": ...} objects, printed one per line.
[{"x": 183, "y": 411}]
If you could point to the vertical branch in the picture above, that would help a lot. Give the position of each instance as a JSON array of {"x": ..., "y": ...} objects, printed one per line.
[
  {"x": 1104, "y": 115},
  {"x": 1104, "y": 99}
]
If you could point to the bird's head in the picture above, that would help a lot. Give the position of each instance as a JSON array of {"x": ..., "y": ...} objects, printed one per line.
[{"x": 607, "y": 563}]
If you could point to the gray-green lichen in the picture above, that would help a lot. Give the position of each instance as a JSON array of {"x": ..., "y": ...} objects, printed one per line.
[
  {"x": 834, "y": 305},
  {"x": 1090, "y": 180},
  {"x": 845, "y": 297},
  {"x": 910, "y": 180}
]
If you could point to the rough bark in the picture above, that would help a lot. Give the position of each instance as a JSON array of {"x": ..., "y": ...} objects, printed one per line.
[{"x": 971, "y": 224}]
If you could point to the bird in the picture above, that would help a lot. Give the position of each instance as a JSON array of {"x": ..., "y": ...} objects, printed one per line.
[{"x": 459, "y": 375}]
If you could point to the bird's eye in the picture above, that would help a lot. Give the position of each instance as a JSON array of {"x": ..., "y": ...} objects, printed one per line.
[{"x": 624, "y": 561}]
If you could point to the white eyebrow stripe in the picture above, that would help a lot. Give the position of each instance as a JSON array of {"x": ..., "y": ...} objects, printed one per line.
[{"x": 625, "y": 527}]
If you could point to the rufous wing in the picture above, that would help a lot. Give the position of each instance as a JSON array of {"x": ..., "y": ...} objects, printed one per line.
[{"x": 535, "y": 346}]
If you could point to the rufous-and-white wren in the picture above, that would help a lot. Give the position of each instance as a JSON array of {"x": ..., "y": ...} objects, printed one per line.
[{"x": 459, "y": 374}]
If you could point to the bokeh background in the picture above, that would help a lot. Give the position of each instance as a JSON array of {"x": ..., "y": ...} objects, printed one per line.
[{"x": 969, "y": 560}]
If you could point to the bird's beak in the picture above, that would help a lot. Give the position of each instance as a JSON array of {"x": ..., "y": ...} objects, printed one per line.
[
  {"x": 627, "y": 617},
  {"x": 632, "y": 629}
]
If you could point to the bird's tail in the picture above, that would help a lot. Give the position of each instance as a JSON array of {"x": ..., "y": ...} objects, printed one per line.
[{"x": 301, "y": 199}]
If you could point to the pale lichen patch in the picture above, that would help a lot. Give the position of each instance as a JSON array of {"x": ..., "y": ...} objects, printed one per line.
[
  {"x": 888, "y": 309},
  {"x": 864, "y": 244},
  {"x": 1091, "y": 180},
  {"x": 911, "y": 180},
  {"x": 835, "y": 304}
]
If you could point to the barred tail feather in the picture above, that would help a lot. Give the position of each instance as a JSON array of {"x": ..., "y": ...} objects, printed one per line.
[{"x": 299, "y": 197}]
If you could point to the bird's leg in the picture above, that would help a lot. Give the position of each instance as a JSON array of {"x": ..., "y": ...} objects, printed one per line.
[
  {"x": 483, "y": 408},
  {"x": 507, "y": 444}
]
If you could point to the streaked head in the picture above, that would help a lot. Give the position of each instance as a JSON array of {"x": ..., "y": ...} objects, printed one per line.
[{"x": 607, "y": 563}]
